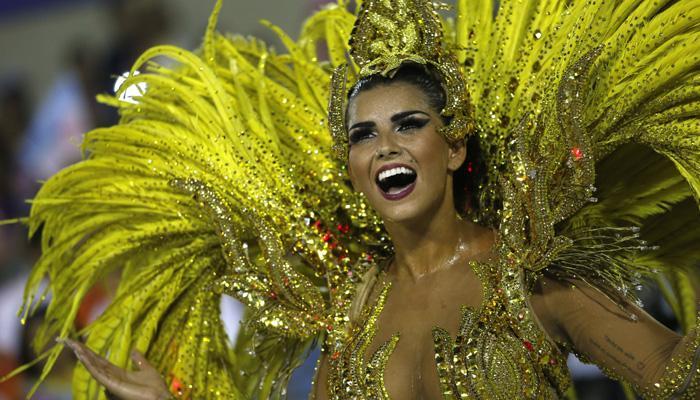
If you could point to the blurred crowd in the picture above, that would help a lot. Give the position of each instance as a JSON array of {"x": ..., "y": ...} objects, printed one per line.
[{"x": 38, "y": 138}]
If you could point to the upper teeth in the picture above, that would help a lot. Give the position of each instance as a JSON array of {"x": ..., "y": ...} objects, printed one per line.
[{"x": 394, "y": 171}]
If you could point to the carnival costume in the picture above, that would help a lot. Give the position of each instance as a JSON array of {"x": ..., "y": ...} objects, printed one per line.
[{"x": 223, "y": 178}]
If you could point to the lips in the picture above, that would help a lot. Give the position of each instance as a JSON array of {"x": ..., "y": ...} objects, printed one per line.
[{"x": 395, "y": 181}]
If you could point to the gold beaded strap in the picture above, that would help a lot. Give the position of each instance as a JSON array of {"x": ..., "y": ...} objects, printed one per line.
[{"x": 681, "y": 379}]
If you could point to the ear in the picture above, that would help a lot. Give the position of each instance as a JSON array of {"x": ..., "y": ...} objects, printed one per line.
[{"x": 457, "y": 154}]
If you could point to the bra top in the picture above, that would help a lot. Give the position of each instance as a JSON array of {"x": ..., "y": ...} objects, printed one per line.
[{"x": 500, "y": 351}]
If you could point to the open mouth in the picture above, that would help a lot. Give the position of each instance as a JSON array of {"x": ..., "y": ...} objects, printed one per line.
[{"x": 396, "y": 182}]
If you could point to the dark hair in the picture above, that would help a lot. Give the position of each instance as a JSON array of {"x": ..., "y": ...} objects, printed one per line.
[{"x": 426, "y": 78}]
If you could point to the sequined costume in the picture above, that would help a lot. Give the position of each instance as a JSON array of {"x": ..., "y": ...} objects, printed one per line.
[{"x": 220, "y": 179}]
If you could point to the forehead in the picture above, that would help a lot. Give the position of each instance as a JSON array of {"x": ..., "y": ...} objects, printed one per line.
[{"x": 381, "y": 102}]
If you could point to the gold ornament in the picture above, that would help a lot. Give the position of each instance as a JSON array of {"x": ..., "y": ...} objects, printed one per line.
[{"x": 388, "y": 34}]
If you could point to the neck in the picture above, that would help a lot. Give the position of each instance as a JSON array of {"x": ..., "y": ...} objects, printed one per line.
[{"x": 431, "y": 244}]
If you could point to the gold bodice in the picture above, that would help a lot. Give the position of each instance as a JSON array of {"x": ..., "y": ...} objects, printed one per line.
[{"x": 499, "y": 352}]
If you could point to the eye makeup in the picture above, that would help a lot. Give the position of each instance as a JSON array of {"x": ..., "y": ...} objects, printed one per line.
[
  {"x": 403, "y": 122},
  {"x": 359, "y": 134},
  {"x": 412, "y": 122}
]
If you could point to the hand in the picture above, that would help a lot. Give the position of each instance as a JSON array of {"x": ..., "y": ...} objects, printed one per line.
[{"x": 143, "y": 384}]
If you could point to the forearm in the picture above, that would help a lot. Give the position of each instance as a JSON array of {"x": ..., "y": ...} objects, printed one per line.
[{"x": 624, "y": 340}]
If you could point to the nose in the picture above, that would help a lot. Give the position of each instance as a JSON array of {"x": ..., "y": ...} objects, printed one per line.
[{"x": 387, "y": 147}]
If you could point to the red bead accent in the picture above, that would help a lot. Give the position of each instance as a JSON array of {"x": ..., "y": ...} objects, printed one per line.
[
  {"x": 176, "y": 386},
  {"x": 470, "y": 167},
  {"x": 335, "y": 355},
  {"x": 577, "y": 153},
  {"x": 528, "y": 345},
  {"x": 327, "y": 237},
  {"x": 317, "y": 224},
  {"x": 329, "y": 328},
  {"x": 273, "y": 295}
]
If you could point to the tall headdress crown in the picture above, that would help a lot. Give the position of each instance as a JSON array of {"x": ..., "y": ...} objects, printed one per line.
[{"x": 387, "y": 34}]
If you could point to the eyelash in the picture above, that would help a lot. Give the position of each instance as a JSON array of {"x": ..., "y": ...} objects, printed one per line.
[
  {"x": 408, "y": 124},
  {"x": 359, "y": 135},
  {"x": 412, "y": 123}
]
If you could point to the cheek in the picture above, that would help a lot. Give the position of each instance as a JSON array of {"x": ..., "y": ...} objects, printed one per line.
[
  {"x": 432, "y": 154},
  {"x": 357, "y": 169}
]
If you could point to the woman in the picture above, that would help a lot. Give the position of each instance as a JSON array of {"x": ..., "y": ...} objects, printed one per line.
[
  {"x": 440, "y": 260},
  {"x": 438, "y": 265},
  {"x": 551, "y": 260}
]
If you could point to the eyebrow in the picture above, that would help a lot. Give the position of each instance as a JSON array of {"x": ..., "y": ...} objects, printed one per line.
[
  {"x": 402, "y": 115},
  {"x": 394, "y": 118}
]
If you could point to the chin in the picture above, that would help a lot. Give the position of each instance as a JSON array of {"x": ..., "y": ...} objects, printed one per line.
[
  {"x": 400, "y": 215},
  {"x": 415, "y": 208}
]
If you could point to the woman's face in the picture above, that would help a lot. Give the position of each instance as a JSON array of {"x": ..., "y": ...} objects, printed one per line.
[{"x": 397, "y": 157}]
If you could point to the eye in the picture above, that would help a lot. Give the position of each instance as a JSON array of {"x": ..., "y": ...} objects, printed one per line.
[
  {"x": 358, "y": 135},
  {"x": 412, "y": 123}
]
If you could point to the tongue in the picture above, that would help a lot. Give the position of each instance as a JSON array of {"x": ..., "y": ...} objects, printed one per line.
[{"x": 397, "y": 189}]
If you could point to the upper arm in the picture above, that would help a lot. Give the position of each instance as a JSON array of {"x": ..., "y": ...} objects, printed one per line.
[{"x": 623, "y": 339}]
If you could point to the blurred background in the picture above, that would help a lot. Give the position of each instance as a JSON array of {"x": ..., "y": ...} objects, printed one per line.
[{"x": 55, "y": 56}]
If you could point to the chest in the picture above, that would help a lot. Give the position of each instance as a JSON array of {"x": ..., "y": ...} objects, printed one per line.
[
  {"x": 462, "y": 339},
  {"x": 411, "y": 313}
]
